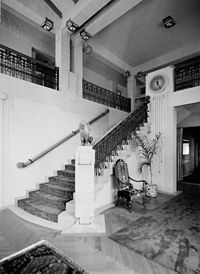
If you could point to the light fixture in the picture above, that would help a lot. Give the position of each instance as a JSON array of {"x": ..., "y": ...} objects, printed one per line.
[
  {"x": 140, "y": 74},
  {"x": 87, "y": 49},
  {"x": 126, "y": 73},
  {"x": 71, "y": 25},
  {"x": 47, "y": 25},
  {"x": 85, "y": 35},
  {"x": 168, "y": 22}
]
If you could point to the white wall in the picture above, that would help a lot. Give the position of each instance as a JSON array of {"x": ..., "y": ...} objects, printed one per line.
[
  {"x": 95, "y": 71},
  {"x": 163, "y": 113},
  {"x": 21, "y": 36},
  {"x": 193, "y": 120},
  {"x": 36, "y": 117}
]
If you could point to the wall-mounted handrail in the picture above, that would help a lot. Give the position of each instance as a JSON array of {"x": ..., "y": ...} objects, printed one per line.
[{"x": 43, "y": 153}]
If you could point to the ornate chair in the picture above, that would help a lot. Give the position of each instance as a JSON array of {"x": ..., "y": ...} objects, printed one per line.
[{"x": 127, "y": 193}]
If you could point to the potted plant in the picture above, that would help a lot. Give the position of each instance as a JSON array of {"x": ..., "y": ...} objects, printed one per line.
[{"x": 147, "y": 148}]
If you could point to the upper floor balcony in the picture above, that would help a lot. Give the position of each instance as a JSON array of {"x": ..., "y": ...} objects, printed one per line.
[{"x": 21, "y": 66}]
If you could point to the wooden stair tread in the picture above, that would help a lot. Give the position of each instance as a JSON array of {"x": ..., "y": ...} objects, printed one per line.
[
  {"x": 69, "y": 172},
  {"x": 39, "y": 205},
  {"x": 70, "y": 166},
  {"x": 63, "y": 178},
  {"x": 57, "y": 186},
  {"x": 49, "y": 196}
]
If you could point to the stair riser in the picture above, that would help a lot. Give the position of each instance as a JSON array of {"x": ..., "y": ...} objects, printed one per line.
[
  {"x": 73, "y": 161},
  {"x": 66, "y": 173},
  {"x": 37, "y": 212},
  {"x": 70, "y": 167},
  {"x": 68, "y": 181},
  {"x": 71, "y": 187},
  {"x": 49, "y": 202},
  {"x": 61, "y": 193}
]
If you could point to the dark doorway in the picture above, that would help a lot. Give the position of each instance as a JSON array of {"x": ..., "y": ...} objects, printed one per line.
[
  {"x": 190, "y": 159},
  {"x": 43, "y": 57}
]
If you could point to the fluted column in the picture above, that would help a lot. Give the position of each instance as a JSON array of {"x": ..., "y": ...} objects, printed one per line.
[{"x": 131, "y": 90}]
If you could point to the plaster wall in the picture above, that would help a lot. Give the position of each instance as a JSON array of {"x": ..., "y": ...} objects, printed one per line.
[
  {"x": 18, "y": 35},
  {"x": 193, "y": 120},
  {"x": 99, "y": 73},
  {"x": 163, "y": 119},
  {"x": 163, "y": 115},
  {"x": 105, "y": 187},
  {"x": 35, "y": 118},
  {"x": 184, "y": 97}
]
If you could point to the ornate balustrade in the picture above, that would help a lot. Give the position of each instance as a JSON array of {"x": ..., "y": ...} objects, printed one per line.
[
  {"x": 107, "y": 146},
  {"x": 18, "y": 65},
  {"x": 106, "y": 97},
  {"x": 187, "y": 74}
]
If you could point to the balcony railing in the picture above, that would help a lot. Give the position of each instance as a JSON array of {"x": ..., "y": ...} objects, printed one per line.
[
  {"x": 187, "y": 74},
  {"x": 106, "y": 97},
  {"x": 18, "y": 65}
]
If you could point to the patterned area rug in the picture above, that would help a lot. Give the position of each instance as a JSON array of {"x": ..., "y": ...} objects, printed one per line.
[
  {"x": 169, "y": 236},
  {"x": 40, "y": 258}
]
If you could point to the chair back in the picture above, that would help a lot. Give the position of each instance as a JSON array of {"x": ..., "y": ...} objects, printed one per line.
[{"x": 121, "y": 175}]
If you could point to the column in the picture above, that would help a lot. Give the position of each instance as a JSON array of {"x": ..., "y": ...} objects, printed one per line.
[
  {"x": 63, "y": 58},
  {"x": 2, "y": 98},
  {"x": 131, "y": 90},
  {"x": 78, "y": 64}
]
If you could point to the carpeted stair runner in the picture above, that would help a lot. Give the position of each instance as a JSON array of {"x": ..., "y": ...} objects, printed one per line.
[{"x": 49, "y": 200}]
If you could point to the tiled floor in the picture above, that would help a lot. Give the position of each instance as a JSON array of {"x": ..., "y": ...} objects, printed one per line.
[{"x": 96, "y": 253}]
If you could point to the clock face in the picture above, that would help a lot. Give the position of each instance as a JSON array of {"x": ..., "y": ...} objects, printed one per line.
[{"x": 158, "y": 83}]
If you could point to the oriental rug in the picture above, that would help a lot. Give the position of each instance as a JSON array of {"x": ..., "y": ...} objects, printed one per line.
[
  {"x": 40, "y": 258},
  {"x": 169, "y": 235}
]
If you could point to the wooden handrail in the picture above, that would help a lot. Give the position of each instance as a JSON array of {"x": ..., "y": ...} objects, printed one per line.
[{"x": 43, "y": 153}]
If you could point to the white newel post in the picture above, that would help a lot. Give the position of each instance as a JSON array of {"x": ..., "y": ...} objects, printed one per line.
[{"x": 84, "y": 184}]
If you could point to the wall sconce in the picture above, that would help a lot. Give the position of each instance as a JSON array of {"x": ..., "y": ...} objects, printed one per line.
[
  {"x": 47, "y": 25},
  {"x": 126, "y": 73},
  {"x": 168, "y": 22},
  {"x": 85, "y": 35},
  {"x": 71, "y": 25},
  {"x": 140, "y": 74},
  {"x": 87, "y": 49}
]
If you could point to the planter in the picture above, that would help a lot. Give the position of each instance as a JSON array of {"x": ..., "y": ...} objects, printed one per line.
[{"x": 151, "y": 190}]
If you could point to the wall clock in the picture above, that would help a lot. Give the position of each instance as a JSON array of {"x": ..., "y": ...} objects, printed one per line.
[{"x": 158, "y": 83}]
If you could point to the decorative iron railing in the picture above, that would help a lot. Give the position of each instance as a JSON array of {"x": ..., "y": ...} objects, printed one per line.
[
  {"x": 18, "y": 65},
  {"x": 106, "y": 97},
  {"x": 187, "y": 74},
  {"x": 108, "y": 145}
]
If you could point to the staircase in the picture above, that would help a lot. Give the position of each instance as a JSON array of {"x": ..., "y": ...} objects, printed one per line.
[{"x": 49, "y": 200}]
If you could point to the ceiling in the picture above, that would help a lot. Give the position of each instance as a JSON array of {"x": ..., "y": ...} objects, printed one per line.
[{"x": 138, "y": 36}]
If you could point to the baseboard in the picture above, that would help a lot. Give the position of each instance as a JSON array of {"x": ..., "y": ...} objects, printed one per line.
[{"x": 170, "y": 193}]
